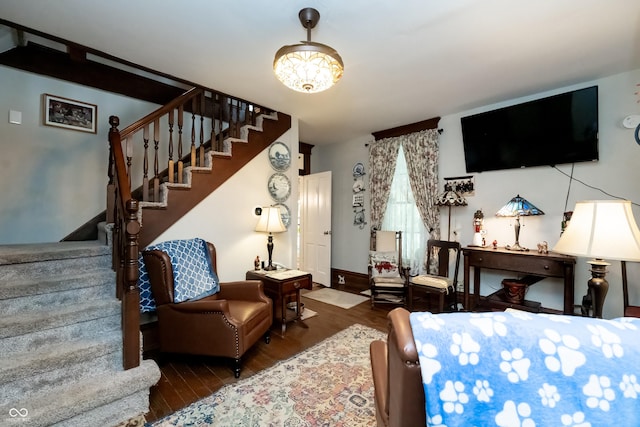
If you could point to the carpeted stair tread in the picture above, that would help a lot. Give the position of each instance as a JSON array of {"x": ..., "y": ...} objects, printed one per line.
[
  {"x": 83, "y": 330},
  {"x": 24, "y": 323},
  {"x": 86, "y": 397},
  {"x": 54, "y": 356},
  {"x": 32, "y": 294},
  {"x": 36, "y": 252},
  {"x": 49, "y": 268}
]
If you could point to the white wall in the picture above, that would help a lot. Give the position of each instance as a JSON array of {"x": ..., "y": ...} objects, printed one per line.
[
  {"x": 616, "y": 172},
  {"x": 226, "y": 217},
  {"x": 349, "y": 242},
  {"x": 53, "y": 179}
]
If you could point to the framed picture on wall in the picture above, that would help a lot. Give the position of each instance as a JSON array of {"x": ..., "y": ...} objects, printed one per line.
[{"x": 69, "y": 114}]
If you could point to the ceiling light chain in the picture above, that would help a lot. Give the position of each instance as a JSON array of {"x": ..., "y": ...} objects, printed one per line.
[{"x": 308, "y": 67}]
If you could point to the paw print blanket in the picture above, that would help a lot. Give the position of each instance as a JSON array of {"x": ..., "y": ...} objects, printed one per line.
[{"x": 522, "y": 369}]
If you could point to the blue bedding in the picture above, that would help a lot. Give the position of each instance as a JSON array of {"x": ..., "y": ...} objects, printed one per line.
[{"x": 523, "y": 369}]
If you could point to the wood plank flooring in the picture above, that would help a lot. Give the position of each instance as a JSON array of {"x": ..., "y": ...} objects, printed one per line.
[{"x": 186, "y": 379}]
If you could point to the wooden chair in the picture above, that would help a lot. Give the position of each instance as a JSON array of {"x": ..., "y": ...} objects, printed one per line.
[
  {"x": 629, "y": 310},
  {"x": 388, "y": 279},
  {"x": 440, "y": 280}
]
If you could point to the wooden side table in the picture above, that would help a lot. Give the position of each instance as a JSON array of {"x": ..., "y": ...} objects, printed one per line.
[
  {"x": 532, "y": 265},
  {"x": 283, "y": 286}
]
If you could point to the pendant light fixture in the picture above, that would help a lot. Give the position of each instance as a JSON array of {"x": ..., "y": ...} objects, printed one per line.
[{"x": 308, "y": 67}]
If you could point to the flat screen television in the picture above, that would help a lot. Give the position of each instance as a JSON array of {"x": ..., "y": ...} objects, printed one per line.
[{"x": 548, "y": 131}]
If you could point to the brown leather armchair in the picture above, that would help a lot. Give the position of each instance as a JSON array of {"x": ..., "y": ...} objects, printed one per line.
[
  {"x": 225, "y": 324},
  {"x": 399, "y": 393}
]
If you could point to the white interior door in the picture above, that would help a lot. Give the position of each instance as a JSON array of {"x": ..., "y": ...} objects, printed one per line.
[{"x": 315, "y": 226}]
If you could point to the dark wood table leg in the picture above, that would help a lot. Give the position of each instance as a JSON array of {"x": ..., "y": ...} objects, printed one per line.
[
  {"x": 569, "y": 272},
  {"x": 465, "y": 299}
]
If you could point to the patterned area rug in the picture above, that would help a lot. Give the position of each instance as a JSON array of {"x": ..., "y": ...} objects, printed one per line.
[
  {"x": 327, "y": 385},
  {"x": 336, "y": 297}
]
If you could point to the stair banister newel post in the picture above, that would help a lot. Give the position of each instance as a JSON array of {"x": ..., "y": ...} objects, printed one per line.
[
  {"x": 131, "y": 295},
  {"x": 125, "y": 250}
]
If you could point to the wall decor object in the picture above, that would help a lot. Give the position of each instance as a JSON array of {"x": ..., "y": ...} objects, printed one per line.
[
  {"x": 69, "y": 114},
  {"x": 279, "y": 156},
  {"x": 463, "y": 185},
  {"x": 279, "y": 187},
  {"x": 358, "y": 197},
  {"x": 285, "y": 214}
]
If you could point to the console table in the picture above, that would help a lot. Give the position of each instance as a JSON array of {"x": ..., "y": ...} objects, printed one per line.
[
  {"x": 282, "y": 286},
  {"x": 530, "y": 264}
]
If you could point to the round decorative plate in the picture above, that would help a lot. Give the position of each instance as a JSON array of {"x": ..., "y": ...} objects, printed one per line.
[
  {"x": 285, "y": 214},
  {"x": 279, "y": 156},
  {"x": 279, "y": 187},
  {"x": 358, "y": 169}
]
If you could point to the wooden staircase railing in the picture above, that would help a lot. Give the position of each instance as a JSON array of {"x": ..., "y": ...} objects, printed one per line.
[{"x": 208, "y": 117}]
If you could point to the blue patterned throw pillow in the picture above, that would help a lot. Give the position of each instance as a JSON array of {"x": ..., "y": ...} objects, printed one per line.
[{"x": 193, "y": 275}]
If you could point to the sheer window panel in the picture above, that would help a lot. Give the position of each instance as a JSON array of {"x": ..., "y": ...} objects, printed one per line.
[{"x": 402, "y": 214}]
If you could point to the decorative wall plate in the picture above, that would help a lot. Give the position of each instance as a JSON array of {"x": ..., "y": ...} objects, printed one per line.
[
  {"x": 279, "y": 187},
  {"x": 279, "y": 156},
  {"x": 285, "y": 214},
  {"x": 358, "y": 169}
]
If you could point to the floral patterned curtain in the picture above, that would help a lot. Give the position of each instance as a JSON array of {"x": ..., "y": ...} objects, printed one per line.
[
  {"x": 421, "y": 152},
  {"x": 382, "y": 165}
]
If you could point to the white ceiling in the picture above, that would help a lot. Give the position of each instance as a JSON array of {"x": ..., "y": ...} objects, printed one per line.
[{"x": 405, "y": 61}]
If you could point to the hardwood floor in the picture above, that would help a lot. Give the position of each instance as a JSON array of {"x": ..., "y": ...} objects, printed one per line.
[{"x": 186, "y": 379}]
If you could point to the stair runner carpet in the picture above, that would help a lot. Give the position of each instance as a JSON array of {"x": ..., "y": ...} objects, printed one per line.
[{"x": 60, "y": 339}]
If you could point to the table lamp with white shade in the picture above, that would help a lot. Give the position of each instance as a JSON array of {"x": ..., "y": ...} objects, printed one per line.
[
  {"x": 600, "y": 229},
  {"x": 270, "y": 222}
]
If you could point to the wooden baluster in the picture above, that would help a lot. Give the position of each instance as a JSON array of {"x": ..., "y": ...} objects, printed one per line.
[
  {"x": 247, "y": 114},
  {"x": 170, "y": 167},
  {"x": 180, "y": 162},
  {"x": 145, "y": 167},
  {"x": 202, "y": 113},
  {"x": 129, "y": 156},
  {"x": 236, "y": 119},
  {"x": 193, "y": 132},
  {"x": 220, "y": 121},
  {"x": 231, "y": 127},
  {"x": 253, "y": 115},
  {"x": 156, "y": 163},
  {"x": 214, "y": 146}
]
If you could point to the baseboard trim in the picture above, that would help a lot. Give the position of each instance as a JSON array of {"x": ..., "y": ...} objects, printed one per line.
[{"x": 350, "y": 281}]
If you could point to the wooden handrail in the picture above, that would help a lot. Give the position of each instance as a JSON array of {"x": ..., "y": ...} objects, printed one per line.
[{"x": 165, "y": 109}]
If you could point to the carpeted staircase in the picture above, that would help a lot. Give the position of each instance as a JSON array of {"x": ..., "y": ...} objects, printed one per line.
[{"x": 60, "y": 340}]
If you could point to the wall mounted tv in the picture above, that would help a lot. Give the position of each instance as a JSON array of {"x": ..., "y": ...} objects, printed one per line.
[{"x": 549, "y": 131}]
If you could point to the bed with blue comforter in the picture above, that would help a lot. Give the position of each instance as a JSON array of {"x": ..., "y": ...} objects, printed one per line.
[{"x": 523, "y": 369}]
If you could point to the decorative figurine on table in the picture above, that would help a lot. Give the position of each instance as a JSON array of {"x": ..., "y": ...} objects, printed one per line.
[
  {"x": 543, "y": 247},
  {"x": 478, "y": 233},
  {"x": 495, "y": 244},
  {"x": 256, "y": 263}
]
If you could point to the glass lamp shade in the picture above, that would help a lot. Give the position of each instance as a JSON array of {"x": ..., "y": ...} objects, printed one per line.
[
  {"x": 602, "y": 229},
  {"x": 519, "y": 206},
  {"x": 271, "y": 221},
  {"x": 308, "y": 67}
]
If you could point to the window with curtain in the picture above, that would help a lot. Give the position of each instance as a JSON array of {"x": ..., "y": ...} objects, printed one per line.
[{"x": 402, "y": 214}]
